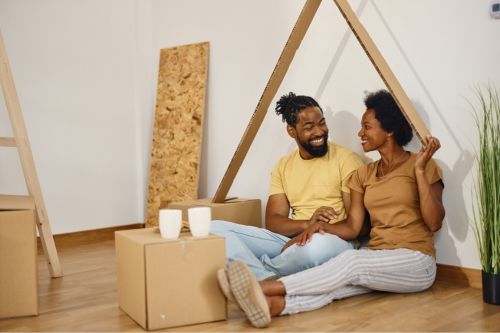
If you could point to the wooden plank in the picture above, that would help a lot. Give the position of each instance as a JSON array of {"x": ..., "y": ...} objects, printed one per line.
[
  {"x": 27, "y": 162},
  {"x": 279, "y": 72},
  {"x": 177, "y": 133},
  {"x": 15, "y": 202},
  {"x": 90, "y": 236},
  {"x": 7, "y": 142},
  {"x": 384, "y": 70}
]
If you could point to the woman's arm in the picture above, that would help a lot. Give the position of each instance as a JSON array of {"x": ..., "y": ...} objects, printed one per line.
[
  {"x": 351, "y": 227},
  {"x": 430, "y": 196}
]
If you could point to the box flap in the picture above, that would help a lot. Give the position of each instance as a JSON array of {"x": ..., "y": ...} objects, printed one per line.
[
  {"x": 16, "y": 202},
  {"x": 206, "y": 202},
  {"x": 147, "y": 236}
]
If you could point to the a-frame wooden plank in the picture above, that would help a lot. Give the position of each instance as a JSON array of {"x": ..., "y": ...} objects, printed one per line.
[
  {"x": 384, "y": 70},
  {"x": 27, "y": 163},
  {"x": 281, "y": 68},
  {"x": 286, "y": 57}
]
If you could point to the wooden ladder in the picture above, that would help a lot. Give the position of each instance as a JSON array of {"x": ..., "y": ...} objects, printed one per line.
[{"x": 20, "y": 140}]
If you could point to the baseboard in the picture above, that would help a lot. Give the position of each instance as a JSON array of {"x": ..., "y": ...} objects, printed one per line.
[
  {"x": 88, "y": 236},
  {"x": 459, "y": 275}
]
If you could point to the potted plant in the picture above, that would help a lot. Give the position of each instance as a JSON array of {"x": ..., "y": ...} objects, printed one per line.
[{"x": 486, "y": 223}]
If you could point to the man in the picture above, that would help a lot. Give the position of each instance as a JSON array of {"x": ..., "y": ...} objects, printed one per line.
[{"x": 311, "y": 182}]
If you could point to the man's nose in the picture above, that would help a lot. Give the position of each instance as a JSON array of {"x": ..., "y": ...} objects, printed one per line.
[{"x": 318, "y": 131}]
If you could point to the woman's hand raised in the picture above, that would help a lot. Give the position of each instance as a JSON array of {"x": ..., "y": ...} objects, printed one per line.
[{"x": 426, "y": 153}]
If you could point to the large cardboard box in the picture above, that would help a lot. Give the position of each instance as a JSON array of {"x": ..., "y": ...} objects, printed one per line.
[
  {"x": 167, "y": 283},
  {"x": 18, "y": 265},
  {"x": 242, "y": 211}
]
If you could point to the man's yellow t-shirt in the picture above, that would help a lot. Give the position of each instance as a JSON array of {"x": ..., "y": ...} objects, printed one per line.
[{"x": 320, "y": 181}]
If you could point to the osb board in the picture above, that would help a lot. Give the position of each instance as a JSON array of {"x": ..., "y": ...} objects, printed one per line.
[{"x": 177, "y": 133}]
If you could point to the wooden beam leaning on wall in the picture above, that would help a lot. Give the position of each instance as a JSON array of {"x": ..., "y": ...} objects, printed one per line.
[
  {"x": 178, "y": 127},
  {"x": 298, "y": 32},
  {"x": 20, "y": 140}
]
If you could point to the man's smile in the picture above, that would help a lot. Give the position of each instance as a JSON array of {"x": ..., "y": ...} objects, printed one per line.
[{"x": 317, "y": 141}]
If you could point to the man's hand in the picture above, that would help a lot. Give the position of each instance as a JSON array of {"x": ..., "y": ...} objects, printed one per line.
[{"x": 323, "y": 214}]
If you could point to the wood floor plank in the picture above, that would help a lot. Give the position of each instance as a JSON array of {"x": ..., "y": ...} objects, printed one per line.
[{"x": 85, "y": 300}]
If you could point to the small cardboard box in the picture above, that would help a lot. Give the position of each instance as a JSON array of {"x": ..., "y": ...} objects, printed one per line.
[
  {"x": 167, "y": 283},
  {"x": 242, "y": 211},
  {"x": 18, "y": 264}
]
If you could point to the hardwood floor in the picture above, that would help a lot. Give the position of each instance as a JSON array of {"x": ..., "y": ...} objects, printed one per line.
[{"x": 85, "y": 299}]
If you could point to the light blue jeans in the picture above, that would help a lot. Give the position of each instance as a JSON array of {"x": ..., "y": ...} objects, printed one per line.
[{"x": 260, "y": 249}]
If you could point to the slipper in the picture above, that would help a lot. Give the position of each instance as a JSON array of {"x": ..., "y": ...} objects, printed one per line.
[
  {"x": 248, "y": 294},
  {"x": 224, "y": 285}
]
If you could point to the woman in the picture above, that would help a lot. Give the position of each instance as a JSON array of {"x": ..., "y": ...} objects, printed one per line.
[{"x": 402, "y": 192}]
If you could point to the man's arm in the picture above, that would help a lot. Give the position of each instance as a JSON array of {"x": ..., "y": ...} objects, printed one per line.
[
  {"x": 347, "y": 229},
  {"x": 277, "y": 211},
  {"x": 353, "y": 225}
]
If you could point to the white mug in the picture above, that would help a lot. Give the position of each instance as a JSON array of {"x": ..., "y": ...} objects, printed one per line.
[
  {"x": 199, "y": 221},
  {"x": 170, "y": 223}
]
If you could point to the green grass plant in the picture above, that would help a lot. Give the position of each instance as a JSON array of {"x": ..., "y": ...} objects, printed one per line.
[{"x": 486, "y": 224}]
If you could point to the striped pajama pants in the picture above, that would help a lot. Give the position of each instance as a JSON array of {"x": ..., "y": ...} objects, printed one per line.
[{"x": 356, "y": 272}]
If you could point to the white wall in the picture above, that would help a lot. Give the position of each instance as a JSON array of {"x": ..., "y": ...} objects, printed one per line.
[
  {"x": 73, "y": 64},
  {"x": 439, "y": 50},
  {"x": 86, "y": 76}
]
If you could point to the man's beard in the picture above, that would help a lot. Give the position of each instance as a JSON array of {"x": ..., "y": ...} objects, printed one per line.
[{"x": 316, "y": 151}]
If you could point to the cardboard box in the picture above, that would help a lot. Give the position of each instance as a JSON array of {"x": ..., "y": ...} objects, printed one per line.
[
  {"x": 16, "y": 202},
  {"x": 18, "y": 264},
  {"x": 242, "y": 211},
  {"x": 167, "y": 283}
]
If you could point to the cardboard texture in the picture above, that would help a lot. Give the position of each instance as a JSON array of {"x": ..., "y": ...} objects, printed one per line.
[
  {"x": 242, "y": 211},
  {"x": 16, "y": 202},
  {"x": 286, "y": 57},
  {"x": 18, "y": 265},
  {"x": 167, "y": 283}
]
